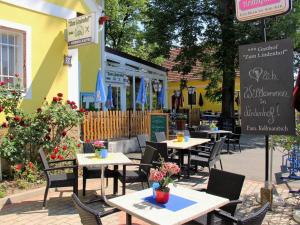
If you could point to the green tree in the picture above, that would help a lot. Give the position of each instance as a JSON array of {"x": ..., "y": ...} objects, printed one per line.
[
  {"x": 206, "y": 30},
  {"x": 125, "y": 31}
]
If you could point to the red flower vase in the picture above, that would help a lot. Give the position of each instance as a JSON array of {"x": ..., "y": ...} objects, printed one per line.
[{"x": 162, "y": 197}]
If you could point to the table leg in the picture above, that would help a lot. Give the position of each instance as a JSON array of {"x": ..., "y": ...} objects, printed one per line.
[
  {"x": 101, "y": 198},
  {"x": 115, "y": 180},
  {"x": 128, "y": 219},
  {"x": 189, "y": 164},
  {"x": 123, "y": 180}
]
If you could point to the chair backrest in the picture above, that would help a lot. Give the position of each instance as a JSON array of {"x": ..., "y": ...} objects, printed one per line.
[
  {"x": 89, "y": 148},
  {"x": 216, "y": 148},
  {"x": 160, "y": 136},
  {"x": 162, "y": 150},
  {"x": 44, "y": 161},
  {"x": 87, "y": 215},
  {"x": 142, "y": 138},
  {"x": 203, "y": 127},
  {"x": 148, "y": 157},
  {"x": 198, "y": 134},
  {"x": 227, "y": 185},
  {"x": 256, "y": 218}
]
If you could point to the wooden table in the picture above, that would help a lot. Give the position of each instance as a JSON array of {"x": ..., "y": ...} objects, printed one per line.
[
  {"x": 90, "y": 160},
  {"x": 186, "y": 145},
  {"x": 134, "y": 204}
]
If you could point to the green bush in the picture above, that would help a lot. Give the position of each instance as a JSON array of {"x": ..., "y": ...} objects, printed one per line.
[{"x": 286, "y": 142}]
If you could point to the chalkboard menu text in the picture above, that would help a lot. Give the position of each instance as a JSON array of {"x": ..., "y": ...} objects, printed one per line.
[
  {"x": 266, "y": 88},
  {"x": 159, "y": 122}
]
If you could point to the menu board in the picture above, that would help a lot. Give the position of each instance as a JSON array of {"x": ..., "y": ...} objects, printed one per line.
[
  {"x": 159, "y": 122},
  {"x": 266, "y": 88}
]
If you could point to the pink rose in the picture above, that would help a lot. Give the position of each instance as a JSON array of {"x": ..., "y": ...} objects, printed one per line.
[{"x": 170, "y": 168}]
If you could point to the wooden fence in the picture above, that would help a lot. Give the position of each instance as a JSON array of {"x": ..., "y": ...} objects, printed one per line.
[{"x": 114, "y": 124}]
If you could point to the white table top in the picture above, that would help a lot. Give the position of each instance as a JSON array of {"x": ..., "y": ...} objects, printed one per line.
[
  {"x": 186, "y": 145},
  {"x": 135, "y": 205},
  {"x": 215, "y": 131},
  {"x": 114, "y": 158}
]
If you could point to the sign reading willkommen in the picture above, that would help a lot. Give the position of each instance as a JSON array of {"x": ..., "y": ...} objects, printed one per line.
[
  {"x": 254, "y": 9},
  {"x": 82, "y": 30},
  {"x": 266, "y": 88}
]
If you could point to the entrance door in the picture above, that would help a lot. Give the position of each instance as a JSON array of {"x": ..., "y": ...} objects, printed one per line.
[{"x": 119, "y": 97}]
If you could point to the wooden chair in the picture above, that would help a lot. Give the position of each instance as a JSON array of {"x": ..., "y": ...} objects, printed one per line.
[
  {"x": 90, "y": 216},
  {"x": 59, "y": 180}
]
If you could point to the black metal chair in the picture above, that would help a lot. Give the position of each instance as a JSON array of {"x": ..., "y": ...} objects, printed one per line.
[
  {"x": 226, "y": 185},
  {"x": 141, "y": 174},
  {"x": 253, "y": 219},
  {"x": 142, "y": 138},
  {"x": 208, "y": 159},
  {"x": 234, "y": 138},
  {"x": 92, "y": 173},
  {"x": 90, "y": 216},
  {"x": 62, "y": 179},
  {"x": 160, "y": 136},
  {"x": 163, "y": 152}
]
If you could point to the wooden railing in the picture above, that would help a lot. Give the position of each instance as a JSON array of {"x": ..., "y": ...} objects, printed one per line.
[{"x": 114, "y": 124}]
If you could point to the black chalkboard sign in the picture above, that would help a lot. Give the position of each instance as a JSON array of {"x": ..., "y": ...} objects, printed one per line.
[
  {"x": 159, "y": 122},
  {"x": 266, "y": 88}
]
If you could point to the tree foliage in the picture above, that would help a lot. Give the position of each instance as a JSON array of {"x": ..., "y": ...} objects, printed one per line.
[
  {"x": 125, "y": 31},
  {"x": 208, "y": 31}
]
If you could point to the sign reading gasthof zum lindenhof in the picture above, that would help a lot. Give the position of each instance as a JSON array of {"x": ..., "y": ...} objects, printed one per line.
[
  {"x": 266, "y": 88},
  {"x": 82, "y": 30}
]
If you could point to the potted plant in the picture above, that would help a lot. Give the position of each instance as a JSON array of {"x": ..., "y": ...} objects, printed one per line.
[
  {"x": 181, "y": 120},
  {"x": 163, "y": 177},
  {"x": 100, "y": 149}
]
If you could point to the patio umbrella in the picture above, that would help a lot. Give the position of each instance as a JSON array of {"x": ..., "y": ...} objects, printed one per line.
[
  {"x": 201, "y": 102},
  {"x": 161, "y": 97},
  {"x": 142, "y": 98},
  {"x": 100, "y": 96},
  {"x": 109, "y": 99}
]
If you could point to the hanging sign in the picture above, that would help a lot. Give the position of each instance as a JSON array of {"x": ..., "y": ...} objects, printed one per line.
[
  {"x": 255, "y": 9},
  {"x": 266, "y": 88},
  {"x": 82, "y": 30}
]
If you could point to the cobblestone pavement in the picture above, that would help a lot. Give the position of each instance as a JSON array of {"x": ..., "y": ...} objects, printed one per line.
[{"x": 60, "y": 210}]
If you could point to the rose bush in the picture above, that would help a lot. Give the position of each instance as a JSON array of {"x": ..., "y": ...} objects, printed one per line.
[{"x": 46, "y": 128}]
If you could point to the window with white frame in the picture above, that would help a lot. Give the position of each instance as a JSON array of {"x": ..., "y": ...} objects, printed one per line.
[{"x": 12, "y": 56}]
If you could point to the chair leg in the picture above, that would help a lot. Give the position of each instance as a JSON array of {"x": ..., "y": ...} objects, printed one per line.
[
  {"x": 208, "y": 169},
  {"x": 221, "y": 164},
  {"x": 148, "y": 184},
  {"x": 143, "y": 185},
  {"x": 84, "y": 186},
  {"x": 45, "y": 195},
  {"x": 215, "y": 166},
  {"x": 124, "y": 180},
  {"x": 240, "y": 147},
  {"x": 233, "y": 147},
  {"x": 106, "y": 181}
]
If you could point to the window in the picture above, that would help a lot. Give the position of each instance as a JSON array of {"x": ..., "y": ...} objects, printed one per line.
[{"x": 12, "y": 56}]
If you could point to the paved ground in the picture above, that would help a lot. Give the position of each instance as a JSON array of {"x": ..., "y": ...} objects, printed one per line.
[{"x": 250, "y": 162}]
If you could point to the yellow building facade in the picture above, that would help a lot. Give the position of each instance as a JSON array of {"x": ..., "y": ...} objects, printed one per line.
[
  {"x": 200, "y": 88},
  {"x": 33, "y": 44}
]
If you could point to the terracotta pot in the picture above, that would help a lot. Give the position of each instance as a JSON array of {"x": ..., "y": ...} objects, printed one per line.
[{"x": 162, "y": 197}]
